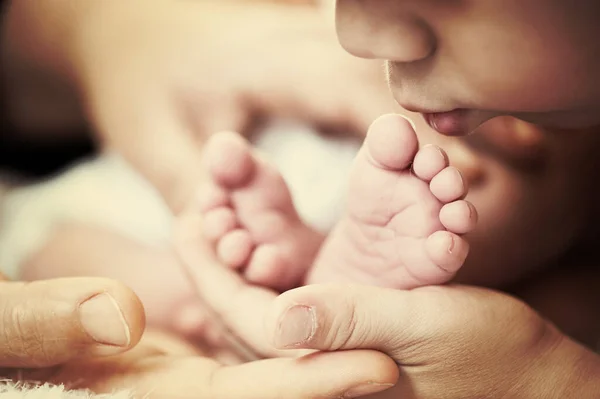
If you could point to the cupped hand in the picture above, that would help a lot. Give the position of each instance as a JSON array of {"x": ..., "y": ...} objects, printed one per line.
[
  {"x": 449, "y": 342},
  {"x": 163, "y": 367}
]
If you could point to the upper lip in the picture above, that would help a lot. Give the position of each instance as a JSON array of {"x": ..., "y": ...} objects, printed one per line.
[{"x": 423, "y": 110}]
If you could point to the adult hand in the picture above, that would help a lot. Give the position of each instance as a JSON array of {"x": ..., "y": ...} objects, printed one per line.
[
  {"x": 162, "y": 367},
  {"x": 237, "y": 309},
  {"x": 45, "y": 323},
  {"x": 450, "y": 342},
  {"x": 158, "y": 77}
]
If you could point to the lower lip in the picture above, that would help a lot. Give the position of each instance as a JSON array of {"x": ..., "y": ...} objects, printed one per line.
[{"x": 451, "y": 123}]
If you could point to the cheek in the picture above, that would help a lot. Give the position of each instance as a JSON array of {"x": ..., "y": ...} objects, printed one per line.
[
  {"x": 535, "y": 82},
  {"x": 514, "y": 66}
]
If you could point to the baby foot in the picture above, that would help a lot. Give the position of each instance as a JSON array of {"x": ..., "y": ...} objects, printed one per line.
[
  {"x": 401, "y": 226},
  {"x": 249, "y": 216}
]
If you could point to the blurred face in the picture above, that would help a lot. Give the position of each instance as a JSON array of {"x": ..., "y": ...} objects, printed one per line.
[{"x": 461, "y": 62}]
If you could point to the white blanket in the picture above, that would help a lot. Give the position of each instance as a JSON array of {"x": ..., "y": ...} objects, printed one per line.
[{"x": 106, "y": 192}]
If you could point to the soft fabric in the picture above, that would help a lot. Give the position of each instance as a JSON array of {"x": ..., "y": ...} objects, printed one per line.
[
  {"x": 106, "y": 192},
  {"x": 19, "y": 391}
]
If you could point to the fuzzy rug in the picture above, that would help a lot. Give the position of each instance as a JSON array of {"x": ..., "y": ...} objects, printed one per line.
[{"x": 10, "y": 390}]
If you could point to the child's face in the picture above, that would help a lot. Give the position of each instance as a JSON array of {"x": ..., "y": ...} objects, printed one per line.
[{"x": 538, "y": 60}]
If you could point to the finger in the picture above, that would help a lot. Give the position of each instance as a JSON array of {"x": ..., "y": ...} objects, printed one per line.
[
  {"x": 45, "y": 323},
  {"x": 77, "y": 249},
  {"x": 319, "y": 375},
  {"x": 334, "y": 317},
  {"x": 239, "y": 306},
  {"x": 153, "y": 375}
]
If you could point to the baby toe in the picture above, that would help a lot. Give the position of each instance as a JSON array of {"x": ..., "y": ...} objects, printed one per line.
[
  {"x": 448, "y": 251},
  {"x": 235, "y": 248},
  {"x": 391, "y": 142},
  {"x": 459, "y": 217},
  {"x": 448, "y": 185},
  {"x": 218, "y": 222},
  {"x": 429, "y": 161},
  {"x": 230, "y": 160}
]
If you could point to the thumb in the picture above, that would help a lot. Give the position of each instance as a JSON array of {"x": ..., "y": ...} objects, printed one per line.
[
  {"x": 337, "y": 317},
  {"x": 44, "y": 323}
]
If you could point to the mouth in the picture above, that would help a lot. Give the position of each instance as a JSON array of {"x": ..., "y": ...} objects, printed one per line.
[
  {"x": 449, "y": 123},
  {"x": 452, "y": 122}
]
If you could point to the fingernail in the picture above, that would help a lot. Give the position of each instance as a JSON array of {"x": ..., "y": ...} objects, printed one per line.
[
  {"x": 366, "y": 389},
  {"x": 460, "y": 176},
  {"x": 102, "y": 319},
  {"x": 296, "y": 326}
]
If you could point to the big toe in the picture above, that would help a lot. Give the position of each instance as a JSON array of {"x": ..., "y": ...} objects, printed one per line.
[
  {"x": 391, "y": 142},
  {"x": 229, "y": 159}
]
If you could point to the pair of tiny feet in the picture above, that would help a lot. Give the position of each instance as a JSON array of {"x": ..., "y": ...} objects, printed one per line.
[{"x": 402, "y": 227}]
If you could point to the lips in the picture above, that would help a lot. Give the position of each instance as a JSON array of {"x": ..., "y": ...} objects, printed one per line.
[{"x": 450, "y": 123}]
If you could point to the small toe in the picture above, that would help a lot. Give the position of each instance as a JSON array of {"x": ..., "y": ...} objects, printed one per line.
[
  {"x": 210, "y": 196},
  {"x": 266, "y": 267},
  {"x": 391, "y": 142},
  {"x": 218, "y": 222},
  {"x": 448, "y": 185},
  {"x": 235, "y": 248},
  {"x": 429, "y": 161},
  {"x": 448, "y": 251},
  {"x": 459, "y": 217}
]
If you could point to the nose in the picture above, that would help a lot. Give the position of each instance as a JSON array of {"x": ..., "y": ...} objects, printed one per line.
[{"x": 383, "y": 29}]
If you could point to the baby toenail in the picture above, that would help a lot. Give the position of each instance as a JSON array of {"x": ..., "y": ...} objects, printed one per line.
[
  {"x": 450, "y": 244},
  {"x": 472, "y": 211},
  {"x": 441, "y": 152},
  {"x": 460, "y": 177}
]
